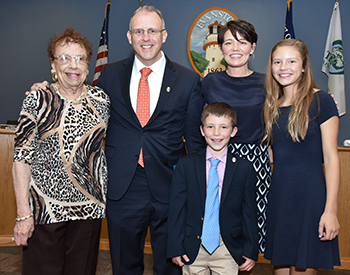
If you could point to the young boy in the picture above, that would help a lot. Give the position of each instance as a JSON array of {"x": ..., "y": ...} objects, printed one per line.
[{"x": 212, "y": 222}]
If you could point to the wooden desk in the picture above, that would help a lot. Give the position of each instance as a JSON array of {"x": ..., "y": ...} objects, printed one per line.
[{"x": 8, "y": 205}]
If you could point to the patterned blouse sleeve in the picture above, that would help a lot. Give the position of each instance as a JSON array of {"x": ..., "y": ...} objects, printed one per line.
[{"x": 26, "y": 132}]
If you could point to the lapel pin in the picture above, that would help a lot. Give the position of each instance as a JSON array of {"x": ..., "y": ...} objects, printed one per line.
[
  {"x": 168, "y": 89},
  {"x": 233, "y": 159}
]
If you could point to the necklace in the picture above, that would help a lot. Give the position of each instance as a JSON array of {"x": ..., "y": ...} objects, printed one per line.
[{"x": 75, "y": 101}]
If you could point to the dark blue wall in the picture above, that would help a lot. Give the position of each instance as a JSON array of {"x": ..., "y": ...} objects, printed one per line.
[{"x": 26, "y": 26}]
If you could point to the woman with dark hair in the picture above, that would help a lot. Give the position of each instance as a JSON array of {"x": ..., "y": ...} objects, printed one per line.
[
  {"x": 243, "y": 89},
  {"x": 302, "y": 129},
  {"x": 59, "y": 168}
]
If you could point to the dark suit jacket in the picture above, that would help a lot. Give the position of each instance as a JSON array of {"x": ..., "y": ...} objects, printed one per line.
[
  {"x": 178, "y": 110},
  {"x": 238, "y": 210}
]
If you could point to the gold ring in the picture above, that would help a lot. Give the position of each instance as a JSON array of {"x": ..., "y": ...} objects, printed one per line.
[{"x": 13, "y": 239}]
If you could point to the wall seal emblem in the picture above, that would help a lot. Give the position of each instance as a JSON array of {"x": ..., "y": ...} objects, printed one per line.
[{"x": 202, "y": 48}]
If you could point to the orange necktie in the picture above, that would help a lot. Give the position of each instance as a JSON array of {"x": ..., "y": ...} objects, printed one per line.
[{"x": 142, "y": 105}]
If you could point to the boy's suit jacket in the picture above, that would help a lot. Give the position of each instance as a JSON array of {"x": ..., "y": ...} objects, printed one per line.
[{"x": 238, "y": 210}]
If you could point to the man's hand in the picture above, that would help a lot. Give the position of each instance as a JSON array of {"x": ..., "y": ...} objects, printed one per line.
[
  {"x": 37, "y": 86},
  {"x": 178, "y": 261}
]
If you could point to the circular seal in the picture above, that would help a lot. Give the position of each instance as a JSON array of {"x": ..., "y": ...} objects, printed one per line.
[
  {"x": 336, "y": 58},
  {"x": 202, "y": 47}
]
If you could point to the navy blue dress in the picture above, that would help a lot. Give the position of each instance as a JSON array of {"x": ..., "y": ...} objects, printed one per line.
[
  {"x": 297, "y": 193},
  {"x": 247, "y": 96}
]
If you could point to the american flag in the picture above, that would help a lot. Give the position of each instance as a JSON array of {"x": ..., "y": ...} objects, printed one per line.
[
  {"x": 102, "y": 54},
  {"x": 288, "y": 27}
]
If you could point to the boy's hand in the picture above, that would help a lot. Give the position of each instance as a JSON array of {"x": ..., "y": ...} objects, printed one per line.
[
  {"x": 178, "y": 261},
  {"x": 247, "y": 265},
  {"x": 37, "y": 86}
]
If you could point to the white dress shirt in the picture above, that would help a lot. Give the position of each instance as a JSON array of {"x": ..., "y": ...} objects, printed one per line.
[{"x": 155, "y": 80}]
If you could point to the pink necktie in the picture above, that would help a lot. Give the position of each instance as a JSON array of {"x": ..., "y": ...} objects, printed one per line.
[{"x": 142, "y": 105}]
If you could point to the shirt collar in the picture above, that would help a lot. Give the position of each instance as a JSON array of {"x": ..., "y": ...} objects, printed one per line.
[
  {"x": 157, "y": 67},
  {"x": 222, "y": 157}
]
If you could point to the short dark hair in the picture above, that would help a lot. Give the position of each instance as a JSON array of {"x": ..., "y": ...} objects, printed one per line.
[
  {"x": 220, "y": 109},
  {"x": 240, "y": 26},
  {"x": 69, "y": 35}
]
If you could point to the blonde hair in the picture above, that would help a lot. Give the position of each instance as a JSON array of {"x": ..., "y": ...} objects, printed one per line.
[
  {"x": 147, "y": 9},
  {"x": 298, "y": 120}
]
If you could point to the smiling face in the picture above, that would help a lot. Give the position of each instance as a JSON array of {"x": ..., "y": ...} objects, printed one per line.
[
  {"x": 147, "y": 47},
  {"x": 287, "y": 67},
  {"x": 236, "y": 52},
  {"x": 217, "y": 132},
  {"x": 71, "y": 76}
]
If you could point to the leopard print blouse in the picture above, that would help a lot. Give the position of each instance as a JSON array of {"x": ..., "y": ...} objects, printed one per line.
[{"x": 64, "y": 148}]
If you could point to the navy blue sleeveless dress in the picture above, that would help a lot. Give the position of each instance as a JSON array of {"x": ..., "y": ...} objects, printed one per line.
[
  {"x": 297, "y": 194},
  {"x": 247, "y": 96}
]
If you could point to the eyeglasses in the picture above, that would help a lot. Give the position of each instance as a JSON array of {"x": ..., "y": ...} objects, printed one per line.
[
  {"x": 150, "y": 31},
  {"x": 65, "y": 59}
]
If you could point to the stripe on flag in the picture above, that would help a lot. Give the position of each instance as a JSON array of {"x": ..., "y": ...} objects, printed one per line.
[
  {"x": 102, "y": 53},
  {"x": 288, "y": 26},
  {"x": 333, "y": 60}
]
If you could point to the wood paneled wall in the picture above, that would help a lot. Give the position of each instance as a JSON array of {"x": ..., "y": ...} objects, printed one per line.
[
  {"x": 7, "y": 195},
  {"x": 344, "y": 206},
  {"x": 8, "y": 205}
]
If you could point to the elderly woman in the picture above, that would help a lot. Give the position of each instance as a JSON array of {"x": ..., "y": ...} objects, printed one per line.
[{"x": 59, "y": 168}]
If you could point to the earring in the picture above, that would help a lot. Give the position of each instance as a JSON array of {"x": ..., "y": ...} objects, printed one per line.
[
  {"x": 54, "y": 75},
  {"x": 87, "y": 73},
  {"x": 252, "y": 56}
]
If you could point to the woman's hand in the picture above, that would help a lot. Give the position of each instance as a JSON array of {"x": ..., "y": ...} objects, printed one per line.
[
  {"x": 336, "y": 102},
  {"x": 23, "y": 231},
  {"x": 247, "y": 265},
  {"x": 328, "y": 227},
  {"x": 24, "y": 228}
]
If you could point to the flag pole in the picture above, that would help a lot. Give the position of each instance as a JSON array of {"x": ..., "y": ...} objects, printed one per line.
[
  {"x": 140, "y": 3},
  {"x": 106, "y": 10},
  {"x": 288, "y": 26},
  {"x": 102, "y": 52}
]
